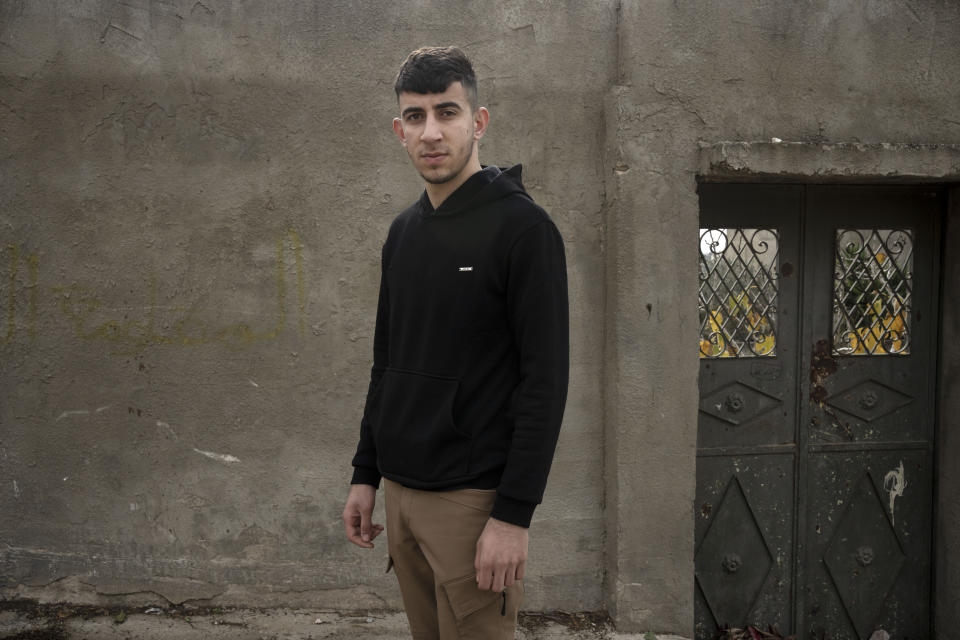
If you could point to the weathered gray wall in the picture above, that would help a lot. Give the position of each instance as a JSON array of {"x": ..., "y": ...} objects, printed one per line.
[
  {"x": 192, "y": 204},
  {"x": 192, "y": 200}
]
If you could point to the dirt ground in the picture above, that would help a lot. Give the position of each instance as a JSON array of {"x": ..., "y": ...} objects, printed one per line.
[{"x": 27, "y": 620}]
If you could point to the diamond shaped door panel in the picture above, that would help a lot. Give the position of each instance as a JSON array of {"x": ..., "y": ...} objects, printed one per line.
[
  {"x": 868, "y": 410},
  {"x": 741, "y": 412},
  {"x": 869, "y": 400},
  {"x": 744, "y": 542},
  {"x": 868, "y": 551},
  {"x": 858, "y": 404},
  {"x": 735, "y": 558},
  {"x": 737, "y": 404},
  {"x": 864, "y": 556}
]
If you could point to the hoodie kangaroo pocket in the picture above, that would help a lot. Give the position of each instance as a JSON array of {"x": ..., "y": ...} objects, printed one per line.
[{"x": 416, "y": 434}]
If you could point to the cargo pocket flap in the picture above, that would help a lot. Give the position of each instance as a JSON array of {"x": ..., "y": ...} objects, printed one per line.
[{"x": 465, "y": 597}]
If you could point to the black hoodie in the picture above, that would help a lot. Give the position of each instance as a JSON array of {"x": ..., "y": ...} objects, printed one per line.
[{"x": 471, "y": 350}]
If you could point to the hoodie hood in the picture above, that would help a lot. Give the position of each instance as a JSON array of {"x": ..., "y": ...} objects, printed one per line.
[{"x": 489, "y": 184}]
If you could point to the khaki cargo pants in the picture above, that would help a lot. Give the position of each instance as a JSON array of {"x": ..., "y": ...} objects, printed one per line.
[{"x": 432, "y": 538}]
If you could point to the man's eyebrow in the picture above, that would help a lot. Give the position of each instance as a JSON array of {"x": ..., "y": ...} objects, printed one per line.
[{"x": 437, "y": 107}]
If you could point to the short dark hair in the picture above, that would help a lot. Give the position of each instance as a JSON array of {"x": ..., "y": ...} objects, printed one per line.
[{"x": 434, "y": 69}]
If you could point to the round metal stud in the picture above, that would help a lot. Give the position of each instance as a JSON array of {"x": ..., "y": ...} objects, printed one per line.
[
  {"x": 734, "y": 402},
  {"x": 732, "y": 563},
  {"x": 868, "y": 399}
]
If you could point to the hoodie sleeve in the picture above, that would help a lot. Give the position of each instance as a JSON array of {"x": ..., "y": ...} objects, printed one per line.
[
  {"x": 365, "y": 469},
  {"x": 538, "y": 314}
]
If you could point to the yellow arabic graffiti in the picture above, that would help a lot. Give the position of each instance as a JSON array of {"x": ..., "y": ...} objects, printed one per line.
[{"x": 79, "y": 305}]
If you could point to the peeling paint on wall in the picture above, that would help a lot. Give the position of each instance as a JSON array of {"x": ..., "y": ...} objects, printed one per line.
[
  {"x": 166, "y": 427},
  {"x": 74, "y": 412},
  {"x": 220, "y": 457}
]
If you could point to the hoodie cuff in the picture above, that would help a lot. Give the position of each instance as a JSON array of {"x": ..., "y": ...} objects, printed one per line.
[
  {"x": 363, "y": 475},
  {"x": 513, "y": 511}
]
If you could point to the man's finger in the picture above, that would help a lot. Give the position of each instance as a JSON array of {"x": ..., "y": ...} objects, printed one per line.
[
  {"x": 484, "y": 576},
  {"x": 351, "y": 524},
  {"x": 521, "y": 569},
  {"x": 358, "y": 540},
  {"x": 365, "y": 525},
  {"x": 498, "y": 576},
  {"x": 484, "y": 580},
  {"x": 479, "y": 568}
]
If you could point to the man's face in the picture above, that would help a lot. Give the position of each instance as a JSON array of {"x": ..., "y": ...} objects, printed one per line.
[{"x": 440, "y": 131}]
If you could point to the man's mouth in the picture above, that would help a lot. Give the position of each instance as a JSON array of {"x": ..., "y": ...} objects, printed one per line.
[{"x": 434, "y": 156}]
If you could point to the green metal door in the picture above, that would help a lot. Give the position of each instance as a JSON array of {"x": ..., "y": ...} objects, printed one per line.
[{"x": 815, "y": 438}]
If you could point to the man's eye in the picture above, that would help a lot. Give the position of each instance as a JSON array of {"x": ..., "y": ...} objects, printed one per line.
[
  {"x": 449, "y": 113},
  {"x": 413, "y": 117}
]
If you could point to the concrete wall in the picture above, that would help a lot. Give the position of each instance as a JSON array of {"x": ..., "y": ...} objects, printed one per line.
[{"x": 193, "y": 200}]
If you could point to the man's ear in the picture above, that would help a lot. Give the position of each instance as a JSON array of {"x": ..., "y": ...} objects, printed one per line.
[
  {"x": 481, "y": 118},
  {"x": 398, "y": 129}
]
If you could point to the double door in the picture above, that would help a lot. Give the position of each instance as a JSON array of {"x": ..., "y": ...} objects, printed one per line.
[{"x": 818, "y": 315}]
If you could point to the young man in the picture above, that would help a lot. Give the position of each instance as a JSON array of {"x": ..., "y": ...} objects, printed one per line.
[{"x": 470, "y": 365}]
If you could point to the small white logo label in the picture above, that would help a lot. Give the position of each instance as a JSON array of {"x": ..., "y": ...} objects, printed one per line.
[{"x": 466, "y": 268}]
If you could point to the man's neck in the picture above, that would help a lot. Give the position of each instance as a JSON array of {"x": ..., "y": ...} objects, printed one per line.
[{"x": 437, "y": 193}]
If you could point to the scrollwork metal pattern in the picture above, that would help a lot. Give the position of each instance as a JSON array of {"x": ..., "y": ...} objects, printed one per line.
[
  {"x": 738, "y": 292},
  {"x": 872, "y": 293}
]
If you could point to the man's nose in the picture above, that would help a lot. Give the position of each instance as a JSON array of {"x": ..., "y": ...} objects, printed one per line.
[{"x": 431, "y": 129}]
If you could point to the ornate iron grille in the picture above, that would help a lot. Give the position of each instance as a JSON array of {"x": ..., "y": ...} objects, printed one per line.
[
  {"x": 872, "y": 292},
  {"x": 738, "y": 292}
]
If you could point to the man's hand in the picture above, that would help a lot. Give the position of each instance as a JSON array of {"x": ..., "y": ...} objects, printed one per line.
[
  {"x": 501, "y": 555},
  {"x": 357, "y": 515}
]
